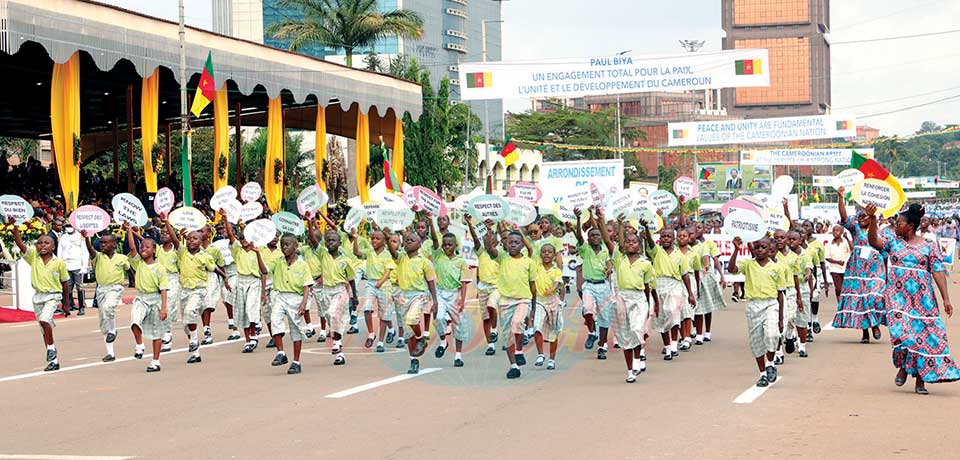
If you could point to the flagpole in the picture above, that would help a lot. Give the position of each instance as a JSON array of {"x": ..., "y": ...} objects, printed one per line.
[{"x": 186, "y": 169}]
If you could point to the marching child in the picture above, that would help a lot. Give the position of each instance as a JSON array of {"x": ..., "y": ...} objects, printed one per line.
[
  {"x": 110, "y": 269},
  {"x": 251, "y": 286},
  {"x": 269, "y": 256},
  {"x": 789, "y": 263},
  {"x": 673, "y": 280},
  {"x": 516, "y": 283},
  {"x": 339, "y": 287},
  {"x": 166, "y": 255},
  {"x": 291, "y": 291},
  {"x": 150, "y": 307},
  {"x": 213, "y": 286},
  {"x": 487, "y": 294},
  {"x": 548, "y": 320},
  {"x": 415, "y": 275},
  {"x": 764, "y": 309},
  {"x": 451, "y": 294},
  {"x": 710, "y": 297},
  {"x": 597, "y": 296},
  {"x": 309, "y": 252},
  {"x": 195, "y": 265},
  {"x": 636, "y": 282},
  {"x": 797, "y": 325},
  {"x": 378, "y": 265},
  {"x": 48, "y": 276}
]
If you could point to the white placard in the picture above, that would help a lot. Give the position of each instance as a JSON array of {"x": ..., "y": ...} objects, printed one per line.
[
  {"x": 409, "y": 197},
  {"x": 232, "y": 207},
  {"x": 663, "y": 201},
  {"x": 777, "y": 220},
  {"x": 875, "y": 192},
  {"x": 848, "y": 179},
  {"x": 522, "y": 212},
  {"x": 596, "y": 196},
  {"x": 578, "y": 77},
  {"x": 89, "y": 219},
  {"x": 621, "y": 203},
  {"x": 250, "y": 192},
  {"x": 311, "y": 199},
  {"x": 163, "y": 201},
  {"x": 250, "y": 211},
  {"x": 260, "y": 232},
  {"x": 187, "y": 217},
  {"x": 128, "y": 208},
  {"x": 782, "y": 186},
  {"x": 525, "y": 190},
  {"x": 738, "y": 203},
  {"x": 222, "y": 194},
  {"x": 760, "y": 130},
  {"x": 395, "y": 217},
  {"x": 491, "y": 207},
  {"x": 288, "y": 222},
  {"x": 356, "y": 215},
  {"x": 579, "y": 197},
  {"x": 749, "y": 226},
  {"x": 16, "y": 208}
]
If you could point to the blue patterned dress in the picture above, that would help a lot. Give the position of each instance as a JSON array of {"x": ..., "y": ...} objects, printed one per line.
[
  {"x": 861, "y": 303},
  {"x": 917, "y": 332}
]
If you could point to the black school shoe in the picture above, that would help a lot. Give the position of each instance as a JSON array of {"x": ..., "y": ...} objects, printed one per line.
[
  {"x": 440, "y": 351},
  {"x": 272, "y": 343},
  {"x": 279, "y": 360},
  {"x": 520, "y": 359},
  {"x": 109, "y": 359},
  {"x": 153, "y": 368},
  {"x": 762, "y": 382},
  {"x": 490, "y": 351},
  {"x": 414, "y": 367},
  {"x": 513, "y": 373},
  {"x": 51, "y": 354},
  {"x": 458, "y": 362},
  {"x": 803, "y": 353},
  {"x": 601, "y": 353},
  {"x": 294, "y": 369},
  {"x": 111, "y": 337},
  {"x": 194, "y": 359},
  {"x": 790, "y": 346},
  {"x": 419, "y": 347},
  {"x": 353, "y": 330},
  {"x": 339, "y": 361},
  {"x": 771, "y": 373},
  {"x": 816, "y": 327},
  {"x": 52, "y": 367},
  {"x": 493, "y": 337},
  {"x": 248, "y": 348}
]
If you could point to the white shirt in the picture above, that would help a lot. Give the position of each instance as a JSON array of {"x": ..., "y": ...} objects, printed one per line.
[
  {"x": 837, "y": 252},
  {"x": 73, "y": 250}
]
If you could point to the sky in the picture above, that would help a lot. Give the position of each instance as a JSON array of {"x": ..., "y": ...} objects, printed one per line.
[{"x": 868, "y": 78}]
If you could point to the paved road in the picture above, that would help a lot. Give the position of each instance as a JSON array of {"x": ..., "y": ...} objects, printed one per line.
[{"x": 839, "y": 403}]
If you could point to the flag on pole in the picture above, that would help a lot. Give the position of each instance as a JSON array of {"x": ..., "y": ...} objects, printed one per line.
[
  {"x": 488, "y": 186},
  {"x": 390, "y": 178},
  {"x": 188, "y": 172},
  {"x": 509, "y": 153},
  {"x": 872, "y": 170},
  {"x": 206, "y": 90}
]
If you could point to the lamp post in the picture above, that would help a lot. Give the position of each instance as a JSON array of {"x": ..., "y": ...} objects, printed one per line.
[
  {"x": 486, "y": 113},
  {"x": 619, "y": 125}
]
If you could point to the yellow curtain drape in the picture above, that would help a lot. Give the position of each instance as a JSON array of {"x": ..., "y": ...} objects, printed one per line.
[
  {"x": 363, "y": 155},
  {"x": 397, "y": 161},
  {"x": 273, "y": 171},
  {"x": 65, "y": 126},
  {"x": 321, "y": 150},
  {"x": 149, "y": 112},
  {"x": 221, "y": 138}
]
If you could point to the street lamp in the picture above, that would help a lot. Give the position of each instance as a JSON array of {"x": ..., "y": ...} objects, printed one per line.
[
  {"x": 486, "y": 113},
  {"x": 619, "y": 125}
]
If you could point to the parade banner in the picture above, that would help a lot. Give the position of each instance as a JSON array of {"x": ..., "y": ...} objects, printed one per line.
[
  {"x": 187, "y": 217},
  {"x": 803, "y": 157},
  {"x": 260, "y": 232},
  {"x": 251, "y": 191},
  {"x": 354, "y": 218},
  {"x": 311, "y": 199},
  {"x": 250, "y": 211},
  {"x": 760, "y": 130},
  {"x": 722, "y": 181},
  {"x": 685, "y": 187},
  {"x": 163, "y": 201},
  {"x": 749, "y": 226},
  {"x": 128, "y": 208},
  {"x": 525, "y": 190},
  {"x": 232, "y": 208},
  {"x": 725, "y": 246},
  {"x": 491, "y": 207},
  {"x": 89, "y": 219},
  {"x": 578, "y": 77},
  {"x": 288, "y": 222},
  {"x": 559, "y": 178}
]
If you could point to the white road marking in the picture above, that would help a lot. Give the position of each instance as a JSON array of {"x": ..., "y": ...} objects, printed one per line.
[
  {"x": 754, "y": 392},
  {"x": 58, "y": 457},
  {"x": 380, "y": 383},
  {"x": 828, "y": 327},
  {"x": 119, "y": 360}
]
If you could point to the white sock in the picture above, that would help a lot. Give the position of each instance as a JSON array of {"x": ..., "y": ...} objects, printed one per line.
[
  {"x": 282, "y": 353},
  {"x": 642, "y": 365},
  {"x": 167, "y": 336},
  {"x": 518, "y": 352},
  {"x": 51, "y": 347},
  {"x": 443, "y": 344},
  {"x": 310, "y": 326},
  {"x": 490, "y": 346},
  {"x": 673, "y": 346},
  {"x": 514, "y": 366},
  {"x": 643, "y": 352},
  {"x": 380, "y": 343},
  {"x": 457, "y": 356},
  {"x": 767, "y": 363},
  {"x": 706, "y": 335},
  {"x": 154, "y": 362},
  {"x": 231, "y": 323},
  {"x": 193, "y": 335},
  {"x": 816, "y": 319},
  {"x": 700, "y": 338},
  {"x": 763, "y": 374},
  {"x": 206, "y": 329},
  {"x": 693, "y": 331},
  {"x": 296, "y": 362},
  {"x": 139, "y": 347},
  {"x": 337, "y": 344},
  {"x": 802, "y": 347},
  {"x": 109, "y": 348},
  {"x": 604, "y": 347}
]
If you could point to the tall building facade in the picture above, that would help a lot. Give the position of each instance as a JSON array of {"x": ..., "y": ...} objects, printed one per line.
[
  {"x": 453, "y": 32},
  {"x": 793, "y": 31}
]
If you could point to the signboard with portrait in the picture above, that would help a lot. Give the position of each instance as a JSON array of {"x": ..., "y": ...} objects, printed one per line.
[{"x": 723, "y": 181}]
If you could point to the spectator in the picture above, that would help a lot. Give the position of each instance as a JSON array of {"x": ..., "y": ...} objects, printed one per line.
[{"x": 71, "y": 248}]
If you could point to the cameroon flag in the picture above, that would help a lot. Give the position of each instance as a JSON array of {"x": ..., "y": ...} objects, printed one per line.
[
  {"x": 872, "y": 170},
  {"x": 705, "y": 174},
  {"x": 390, "y": 179},
  {"x": 479, "y": 80},
  {"x": 509, "y": 153},
  {"x": 749, "y": 67},
  {"x": 206, "y": 90}
]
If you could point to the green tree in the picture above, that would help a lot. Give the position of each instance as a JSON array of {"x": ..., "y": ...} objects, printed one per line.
[
  {"x": 296, "y": 175},
  {"x": 372, "y": 62},
  {"x": 566, "y": 126},
  {"x": 21, "y": 147},
  {"x": 344, "y": 24},
  {"x": 666, "y": 176}
]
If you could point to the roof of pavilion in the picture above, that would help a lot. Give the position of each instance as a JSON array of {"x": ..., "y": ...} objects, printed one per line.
[{"x": 118, "y": 48}]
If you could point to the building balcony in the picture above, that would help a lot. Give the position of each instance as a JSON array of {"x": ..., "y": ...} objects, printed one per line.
[
  {"x": 456, "y": 33},
  {"x": 456, "y": 47},
  {"x": 462, "y": 2},
  {"x": 457, "y": 13}
]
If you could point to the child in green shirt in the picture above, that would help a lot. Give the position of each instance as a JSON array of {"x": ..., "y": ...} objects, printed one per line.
[
  {"x": 764, "y": 309},
  {"x": 548, "y": 319},
  {"x": 195, "y": 265},
  {"x": 251, "y": 286},
  {"x": 518, "y": 290},
  {"x": 48, "y": 276},
  {"x": 378, "y": 295},
  {"x": 339, "y": 286},
  {"x": 110, "y": 269},
  {"x": 451, "y": 295},
  {"x": 291, "y": 291},
  {"x": 150, "y": 307},
  {"x": 415, "y": 276}
]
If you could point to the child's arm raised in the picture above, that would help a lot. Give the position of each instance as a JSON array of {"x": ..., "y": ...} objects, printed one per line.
[
  {"x": 130, "y": 240},
  {"x": 174, "y": 236},
  {"x": 576, "y": 230},
  {"x": 16, "y": 236},
  {"x": 732, "y": 264}
]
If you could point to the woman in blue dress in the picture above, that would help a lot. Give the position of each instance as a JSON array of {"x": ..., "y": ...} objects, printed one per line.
[
  {"x": 861, "y": 304},
  {"x": 917, "y": 331}
]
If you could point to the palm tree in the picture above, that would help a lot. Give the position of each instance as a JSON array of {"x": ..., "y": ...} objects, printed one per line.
[{"x": 346, "y": 24}]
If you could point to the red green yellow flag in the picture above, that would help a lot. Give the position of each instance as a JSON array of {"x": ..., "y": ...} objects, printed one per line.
[
  {"x": 206, "y": 90},
  {"x": 872, "y": 170},
  {"x": 390, "y": 178},
  {"x": 509, "y": 153},
  {"x": 749, "y": 67}
]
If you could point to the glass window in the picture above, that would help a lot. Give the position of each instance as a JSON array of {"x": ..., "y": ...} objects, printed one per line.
[
  {"x": 789, "y": 68},
  {"x": 757, "y": 12}
]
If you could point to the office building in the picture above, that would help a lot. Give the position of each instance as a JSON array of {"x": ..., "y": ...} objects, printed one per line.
[{"x": 794, "y": 33}]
